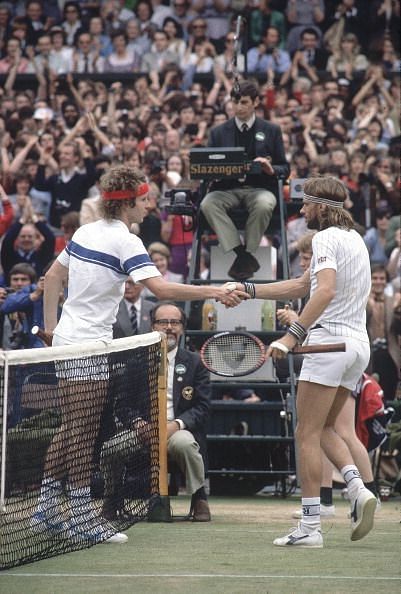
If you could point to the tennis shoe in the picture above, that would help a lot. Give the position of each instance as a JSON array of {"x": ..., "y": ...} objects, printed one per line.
[
  {"x": 326, "y": 511},
  {"x": 362, "y": 514},
  {"x": 298, "y": 538},
  {"x": 44, "y": 521},
  {"x": 94, "y": 532}
]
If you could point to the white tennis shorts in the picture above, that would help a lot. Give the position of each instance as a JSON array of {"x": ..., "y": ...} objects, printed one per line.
[
  {"x": 335, "y": 369},
  {"x": 93, "y": 368}
]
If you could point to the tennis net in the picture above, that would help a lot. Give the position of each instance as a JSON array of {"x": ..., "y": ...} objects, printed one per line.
[{"x": 80, "y": 434}]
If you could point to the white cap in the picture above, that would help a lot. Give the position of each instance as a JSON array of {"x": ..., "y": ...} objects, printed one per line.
[{"x": 43, "y": 113}]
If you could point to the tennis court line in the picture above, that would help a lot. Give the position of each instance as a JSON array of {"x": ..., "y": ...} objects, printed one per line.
[{"x": 201, "y": 575}]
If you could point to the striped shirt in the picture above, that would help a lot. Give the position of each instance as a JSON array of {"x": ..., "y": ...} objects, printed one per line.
[
  {"x": 99, "y": 258},
  {"x": 345, "y": 252}
]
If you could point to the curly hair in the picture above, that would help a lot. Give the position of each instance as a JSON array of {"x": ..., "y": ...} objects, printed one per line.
[
  {"x": 330, "y": 188},
  {"x": 119, "y": 177}
]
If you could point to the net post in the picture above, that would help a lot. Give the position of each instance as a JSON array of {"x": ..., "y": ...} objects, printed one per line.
[
  {"x": 3, "y": 426},
  {"x": 160, "y": 511}
]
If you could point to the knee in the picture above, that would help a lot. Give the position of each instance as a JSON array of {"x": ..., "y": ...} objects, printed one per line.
[
  {"x": 264, "y": 204},
  {"x": 211, "y": 204}
]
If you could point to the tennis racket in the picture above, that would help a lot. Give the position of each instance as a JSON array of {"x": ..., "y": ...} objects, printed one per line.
[
  {"x": 234, "y": 354},
  {"x": 46, "y": 337}
]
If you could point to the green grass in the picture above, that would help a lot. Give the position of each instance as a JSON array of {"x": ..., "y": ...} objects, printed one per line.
[{"x": 233, "y": 554}]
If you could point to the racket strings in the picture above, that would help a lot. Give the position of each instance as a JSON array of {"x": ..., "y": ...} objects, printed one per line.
[{"x": 228, "y": 354}]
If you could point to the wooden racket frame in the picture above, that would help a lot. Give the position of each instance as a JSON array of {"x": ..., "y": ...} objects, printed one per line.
[{"x": 302, "y": 350}]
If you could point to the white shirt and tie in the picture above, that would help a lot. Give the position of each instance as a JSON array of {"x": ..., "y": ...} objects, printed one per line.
[{"x": 134, "y": 314}]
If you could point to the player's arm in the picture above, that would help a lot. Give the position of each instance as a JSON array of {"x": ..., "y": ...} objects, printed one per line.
[
  {"x": 285, "y": 290},
  {"x": 166, "y": 291},
  {"x": 55, "y": 278},
  {"x": 322, "y": 296}
]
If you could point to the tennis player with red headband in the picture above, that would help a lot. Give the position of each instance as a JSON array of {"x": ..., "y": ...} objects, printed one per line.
[
  {"x": 96, "y": 263},
  {"x": 339, "y": 285}
]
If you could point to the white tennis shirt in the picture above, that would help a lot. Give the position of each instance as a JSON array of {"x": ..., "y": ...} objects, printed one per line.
[
  {"x": 99, "y": 258},
  {"x": 346, "y": 253}
]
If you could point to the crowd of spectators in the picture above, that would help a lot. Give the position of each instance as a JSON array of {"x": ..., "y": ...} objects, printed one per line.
[{"x": 86, "y": 84}]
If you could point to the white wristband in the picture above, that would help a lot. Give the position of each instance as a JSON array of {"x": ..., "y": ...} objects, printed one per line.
[{"x": 279, "y": 346}]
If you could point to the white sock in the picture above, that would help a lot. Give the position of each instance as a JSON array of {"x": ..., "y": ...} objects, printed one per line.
[
  {"x": 310, "y": 514},
  {"x": 352, "y": 478},
  {"x": 50, "y": 489}
]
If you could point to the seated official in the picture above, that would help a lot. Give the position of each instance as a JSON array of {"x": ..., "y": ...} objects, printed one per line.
[
  {"x": 255, "y": 192},
  {"x": 188, "y": 402}
]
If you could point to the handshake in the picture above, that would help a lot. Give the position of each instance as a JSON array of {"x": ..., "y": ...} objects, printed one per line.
[{"x": 232, "y": 293}]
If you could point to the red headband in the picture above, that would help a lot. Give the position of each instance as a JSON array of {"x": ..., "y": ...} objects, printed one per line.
[{"x": 141, "y": 190}]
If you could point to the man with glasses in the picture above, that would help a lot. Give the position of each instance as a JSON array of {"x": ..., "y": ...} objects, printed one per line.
[{"x": 188, "y": 401}]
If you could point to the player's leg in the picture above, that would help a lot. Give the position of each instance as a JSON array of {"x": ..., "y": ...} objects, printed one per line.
[
  {"x": 314, "y": 402},
  {"x": 363, "y": 502},
  {"x": 345, "y": 427}
]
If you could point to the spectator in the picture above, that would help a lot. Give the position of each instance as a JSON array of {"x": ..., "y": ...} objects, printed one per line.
[
  {"x": 5, "y": 23},
  {"x": 309, "y": 59},
  {"x": 257, "y": 191},
  {"x": 86, "y": 58},
  {"x": 375, "y": 237},
  {"x": 301, "y": 15},
  {"x": 70, "y": 187},
  {"x": 225, "y": 60},
  {"x": 262, "y": 18},
  {"x": 385, "y": 357},
  {"x": 137, "y": 41},
  {"x": 71, "y": 23},
  {"x": 394, "y": 261},
  {"x": 69, "y": 224},
  {"x": 60, "y": 59},
  {"x": 36, "y": 21},
  {"x": 13, "y": 58},
  {"x": 183, "y": 14},
  {"x": 347, "y": 61},
  {"x": 101, "y": 43},
  {"x": 150, "y": 228},
  {"x": 122, "y": 58},
  {"x": 133, "y": 316},
  {"x": 159, "y": 55},
  {"x": 23, "y": 308},
  {"x": 176, "y": 43},
  {"x": 7, "y": 214},
  {"x": 28, "y": 240},
  {"x": 268, "y": 55},
  {"x": 160, "y": 256}
]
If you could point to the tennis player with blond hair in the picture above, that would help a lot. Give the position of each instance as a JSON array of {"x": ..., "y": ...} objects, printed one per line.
[
  {"x": 339, "y": 285},
  {"x": 96, "y": 264}
]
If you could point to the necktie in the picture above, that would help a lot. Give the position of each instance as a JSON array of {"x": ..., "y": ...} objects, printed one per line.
[
  {"x": 134, "y": 319},
  {"x": 86, "y": 64},
  {"x": 245, "y": 127}
]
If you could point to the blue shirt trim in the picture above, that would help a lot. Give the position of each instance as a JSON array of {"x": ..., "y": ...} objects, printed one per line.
[{"x": 93, "y": 256}]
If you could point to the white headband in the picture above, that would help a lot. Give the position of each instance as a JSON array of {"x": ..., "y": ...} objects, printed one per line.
[{"x": 318, "y": 200}]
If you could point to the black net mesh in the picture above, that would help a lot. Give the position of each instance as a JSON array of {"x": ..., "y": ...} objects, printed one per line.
[{"x": 80, "y": 451}]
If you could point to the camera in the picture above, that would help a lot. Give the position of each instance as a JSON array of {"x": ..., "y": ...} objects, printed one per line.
[
  {"x": 181, "y": 202},
  {"x": 157, "y": 167}
]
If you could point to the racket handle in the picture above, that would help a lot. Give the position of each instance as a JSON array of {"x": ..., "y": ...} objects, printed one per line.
[
  {"x": 320, "y": 348},
  {"x": 45, "y": 336}
]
